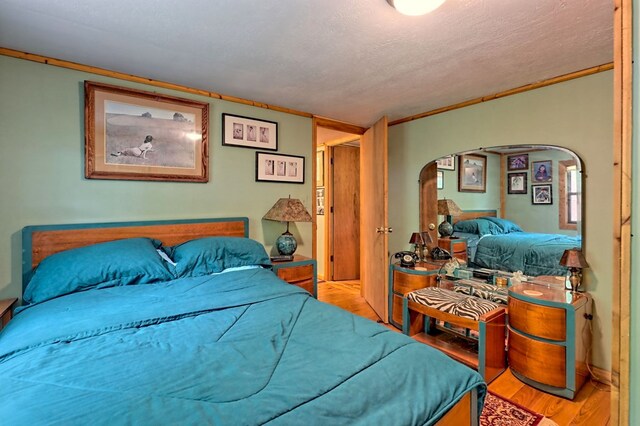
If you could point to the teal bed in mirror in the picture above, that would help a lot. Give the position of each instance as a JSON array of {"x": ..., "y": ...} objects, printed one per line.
[{"x": 520, "y": 205}]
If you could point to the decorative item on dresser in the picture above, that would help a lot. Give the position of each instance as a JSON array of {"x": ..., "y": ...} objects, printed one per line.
[
  {"x": 300, "y": 271},
  {"x": 287, "y": 210},
  {"x": 418, "y": 243},
  {"x": 447, "y": 208},
  {"x": 549, "y": 337},
  {"x": 6, "y": 311},
  {"x": 426, "y": 248},
  {"x": 575, "y": 261}
]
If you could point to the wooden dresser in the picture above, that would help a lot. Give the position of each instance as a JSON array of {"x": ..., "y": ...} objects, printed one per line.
[
  {"x": 549, "y": 338},
  {"x": 301, "y": 271},
  {"x": 403, "y": 280}
]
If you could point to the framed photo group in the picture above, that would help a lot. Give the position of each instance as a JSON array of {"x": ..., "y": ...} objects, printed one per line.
[
  {"x": 279, "y": 168},
  {"x": 249, "y": 132},
  {"x": 541, "y": 176}
]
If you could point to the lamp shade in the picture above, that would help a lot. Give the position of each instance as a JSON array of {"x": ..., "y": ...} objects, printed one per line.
[
  {"x": 448, "y": 208},
  {"x": 426, "y": 238},
  {"x": 288, "y": 210},
  {"x": 573, "y": 258},
  {"x": 416, "y": 238}
]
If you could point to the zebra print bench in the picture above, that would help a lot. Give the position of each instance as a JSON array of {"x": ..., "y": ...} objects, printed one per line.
[{"x": 422, "y": 308}]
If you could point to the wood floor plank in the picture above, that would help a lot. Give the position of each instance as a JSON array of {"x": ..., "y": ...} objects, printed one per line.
[{"x": 590, "y": 407}]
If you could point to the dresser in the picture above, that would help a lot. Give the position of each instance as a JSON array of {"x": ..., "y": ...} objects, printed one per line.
[
  {"x": 456, "y": 246},
  {"x": 301, "y": 271},
  {"x": 549, "y": 338}
]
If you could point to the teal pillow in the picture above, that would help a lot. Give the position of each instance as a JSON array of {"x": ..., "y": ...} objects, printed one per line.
[
  {"x": 478, "y": 226},
  {"x": 110, "y": 264},
  {"x": 205, "y": 256},
  {"x": 506, "y": 225}
]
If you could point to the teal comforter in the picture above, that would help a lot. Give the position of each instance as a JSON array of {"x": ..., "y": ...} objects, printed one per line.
[
  {"x": 236, "y": 348},
  {"x": 532, "y": 253}
]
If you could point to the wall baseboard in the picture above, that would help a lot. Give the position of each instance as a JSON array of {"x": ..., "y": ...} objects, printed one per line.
[{"x": 600, "y": 375}]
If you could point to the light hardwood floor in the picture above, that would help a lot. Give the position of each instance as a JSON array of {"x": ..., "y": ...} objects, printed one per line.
[{"x": 590, "y": 407}]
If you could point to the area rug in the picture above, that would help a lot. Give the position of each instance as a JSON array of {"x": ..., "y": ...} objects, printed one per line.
[{"x": 499, "y": 411}]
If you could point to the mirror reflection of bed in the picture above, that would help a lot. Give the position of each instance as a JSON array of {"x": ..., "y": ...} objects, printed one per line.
[{"x": 522, "y": 213}]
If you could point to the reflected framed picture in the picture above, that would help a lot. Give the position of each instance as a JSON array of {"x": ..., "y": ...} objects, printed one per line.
[
  {"x": 137, "y": 135},
  {"x": 247, "y": 132},
  {"x": 517, "y": 183},
  {"x": 447, "y": 163},
  {"x": 279, "y": 168},
  {"x": 518, "y": 162},
  {"x": 320, "y": 201},
  {"x": 541, "y": 194},
  {"x": 541, "y": 171},
  {"x": 440, "y": 180},
  {"x": 472, "y": 173}
]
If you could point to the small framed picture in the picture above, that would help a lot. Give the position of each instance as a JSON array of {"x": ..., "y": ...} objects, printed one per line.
[
  {"x": 279, "y": 168},
  {"x": 440, "y": 180},
  {"x": 320, "y": 201},
  {"x": 517, "y": 183},
  {"x": 247, "y": 132},
  {"x": 518, "y": 162},
  {"x": 541, "y": 194},
  {"x": 541, "y": 171},
  {"x": 472, "y": 173},
  {"x": 447, "y": 163}
]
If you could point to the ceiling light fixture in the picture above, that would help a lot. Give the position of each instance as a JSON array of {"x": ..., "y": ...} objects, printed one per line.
[{"x": 415, "y": 7}]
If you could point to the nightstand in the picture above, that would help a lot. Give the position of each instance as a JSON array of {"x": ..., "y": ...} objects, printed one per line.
[
  {"x": 456, "y": 246},
  {"x": 549, "y": 338},
  {"x": 403, "y": 280},
  {"x": 6, "y": 311},
  {"x": 301, "y": 271}
]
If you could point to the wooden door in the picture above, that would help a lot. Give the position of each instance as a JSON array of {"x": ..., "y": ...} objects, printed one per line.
[
  {"x": 374, "y": 244},
  {"x": 346, "y": 212},
  {"x": 429, "y": 200}
]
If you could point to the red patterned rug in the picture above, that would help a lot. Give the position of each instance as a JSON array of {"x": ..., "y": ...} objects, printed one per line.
[{"x": 498, "y": 411}]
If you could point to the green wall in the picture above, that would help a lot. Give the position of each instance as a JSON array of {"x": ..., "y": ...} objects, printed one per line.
[
  {"x": 42, "y": 167},
  {"x": 576, "y": 114}
]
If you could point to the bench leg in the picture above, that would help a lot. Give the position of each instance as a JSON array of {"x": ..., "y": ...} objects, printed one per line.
[
  {"x": 411, "y": 320},
  {"x": 491, "y": 350}
]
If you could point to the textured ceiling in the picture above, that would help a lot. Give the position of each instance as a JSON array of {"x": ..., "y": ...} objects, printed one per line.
[{"x": 349, "y": 60}]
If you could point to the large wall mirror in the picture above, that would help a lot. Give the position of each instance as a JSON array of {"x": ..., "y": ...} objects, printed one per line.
[{"x": 517, "y": 207}]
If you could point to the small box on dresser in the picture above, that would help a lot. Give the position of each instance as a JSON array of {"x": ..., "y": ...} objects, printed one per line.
[
  {"x": 301, "y": 271},
  {"x": 549, "y": 338}
]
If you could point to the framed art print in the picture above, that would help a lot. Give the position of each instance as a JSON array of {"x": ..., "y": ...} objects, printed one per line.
[
  {"x": 518, "y": 162},
  {"x": 279, "y": 168},
  {"x": 137, "y": 135},
  {"x": 517, "y": 183},
  {"x": 472, "y": 173},
  {"x": 541, "y": 194},
  {"x": 541, "y": 171},
  {"x": 447, "y": 163},
  {"x": 247, "y": 132}
]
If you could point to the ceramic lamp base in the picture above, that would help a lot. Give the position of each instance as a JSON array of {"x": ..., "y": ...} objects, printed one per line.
[
  {"x": 286, "y": 244},
  {"x": 445, "y": 229}
]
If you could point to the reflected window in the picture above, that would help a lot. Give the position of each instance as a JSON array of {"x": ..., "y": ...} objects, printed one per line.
[{"x": 569, "y": 195}]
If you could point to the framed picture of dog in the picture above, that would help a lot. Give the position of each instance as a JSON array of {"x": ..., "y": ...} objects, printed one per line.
[{"x": 137, "y": 135}]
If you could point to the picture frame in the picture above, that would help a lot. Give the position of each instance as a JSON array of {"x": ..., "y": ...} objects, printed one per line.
[
  {"x": 541, "y": 194},
  {"x": 541, "y": 171},
  {"x": 320, "y": 201},
  {"x": 248, "y": 132},
  {"x": 447, "y": 163},
  {"x": 440, "y": 180},
  {"x": 280, "y": 168},
  {"x": 518, "y": 162},
  {"x": 472, "y": 173},
  {"x": 138, "y": 135},
  {"x": 320, "y": 168},
  {"x": 517, "y": 183}
]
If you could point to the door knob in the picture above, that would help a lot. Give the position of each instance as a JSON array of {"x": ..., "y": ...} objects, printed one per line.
[{"x": 432, "y": 227}]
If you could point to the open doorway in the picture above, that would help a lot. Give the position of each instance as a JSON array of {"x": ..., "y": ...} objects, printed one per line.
[{"x": 338, "y": 204}]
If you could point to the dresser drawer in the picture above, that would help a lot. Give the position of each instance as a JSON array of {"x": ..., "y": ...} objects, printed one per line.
[
  {"x": 306, "y": 285},
  {"x": 459, "y": 247},
  {"x": 406, "y": 283},
  {"x": 540, "y": 361},
  {"x": 396, "y": 310},
  {"x": 296, "y": 274},
  {"x": 537, "y": 320}
]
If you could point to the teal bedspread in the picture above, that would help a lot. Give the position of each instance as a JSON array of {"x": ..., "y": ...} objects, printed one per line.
[
  {"x": 533, "y": 254},
  {"x": 236, "y": 348}
]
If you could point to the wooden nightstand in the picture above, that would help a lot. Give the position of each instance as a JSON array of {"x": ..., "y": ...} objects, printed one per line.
[
  {"x": 301, "y": 271},
  {"x": 403, "y": 280},
  {"x": 549, "y": 337},
  {"x": 456, "y": 246},
  {"x": 6, "y": 311}
]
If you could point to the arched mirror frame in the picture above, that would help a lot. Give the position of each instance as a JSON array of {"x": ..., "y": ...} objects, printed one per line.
[{"x": 428, "y": 192}]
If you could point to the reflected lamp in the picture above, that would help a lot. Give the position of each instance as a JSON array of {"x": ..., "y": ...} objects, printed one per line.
[
  {"x": 575, "y": 261},
  {"x": 447, "y": 208}
]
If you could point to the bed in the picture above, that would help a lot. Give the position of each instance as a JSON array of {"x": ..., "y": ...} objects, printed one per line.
[
  {"x": 500, "y": 244},
  {"x": 188, "y": 325}
]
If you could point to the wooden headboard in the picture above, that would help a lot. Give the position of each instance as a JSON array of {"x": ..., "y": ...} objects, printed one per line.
[
  {"x": 474, "y": 214},
  {"x": 41, "y": 241}
]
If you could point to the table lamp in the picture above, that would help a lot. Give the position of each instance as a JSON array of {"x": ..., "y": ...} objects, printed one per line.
[
  {"x": 427, "y": 243},
  {"x": 418, "y": 242},
  {"x": 447, "y": 208},
  {"x": 575, "y": 261},
  {"x": 287, "y": 210}
]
